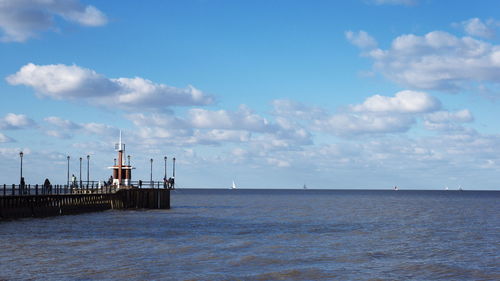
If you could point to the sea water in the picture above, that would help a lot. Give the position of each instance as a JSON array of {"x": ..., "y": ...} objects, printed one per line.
[{"x": 266, "y": 235}]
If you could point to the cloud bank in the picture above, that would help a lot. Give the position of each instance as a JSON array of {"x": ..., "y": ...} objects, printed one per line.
[
  {"x": 436, "y": 61},
  {"x": 21, "y": 20},
  {"x": 71, "y": 82},
  {"x": 13, "y": 121}
]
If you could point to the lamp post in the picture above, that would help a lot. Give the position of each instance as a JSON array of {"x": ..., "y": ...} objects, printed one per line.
[
  {"x": 114, "y": 160},
  {"x": 165, "y": 176},
  {"x": 21, "y": 154},
  {"x": 151, "y": 172},
  {"x": 21, "y": 180},
  {"x": 80, "y": 172},
  {"x": 173, "y": 172},
  {"x": 68, "y": 170},
  {"x": 88, "y": 169},
  {"x": 128, "y": 157}
]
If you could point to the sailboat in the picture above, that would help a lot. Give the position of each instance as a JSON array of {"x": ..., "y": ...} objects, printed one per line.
[{"x": 233, "y": 186}]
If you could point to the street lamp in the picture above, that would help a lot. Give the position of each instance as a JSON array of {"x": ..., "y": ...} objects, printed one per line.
[
  {"x": 88, "y": 169},
  {"x": 80, "y": 172},
  {"x": 173, "y": 172},
  {"x": 21, "y": 154},
  {"x": 21, "y": 180},
  {"x": 68, "y": 169},
  {"x": 151, "y": 174},
  {"x": 165, "y": 176}
]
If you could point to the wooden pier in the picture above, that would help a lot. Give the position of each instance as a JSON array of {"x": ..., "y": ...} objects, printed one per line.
[{"x": 23, "y": 206}]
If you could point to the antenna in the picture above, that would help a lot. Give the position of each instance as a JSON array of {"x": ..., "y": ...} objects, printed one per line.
[{"x": 119, "y": 146}]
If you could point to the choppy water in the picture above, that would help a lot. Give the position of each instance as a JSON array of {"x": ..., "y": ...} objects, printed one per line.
[{"x": 267, "y": 235}]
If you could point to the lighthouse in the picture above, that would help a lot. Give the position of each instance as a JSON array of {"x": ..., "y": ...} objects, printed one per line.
[{"x": 122, "y": 173}]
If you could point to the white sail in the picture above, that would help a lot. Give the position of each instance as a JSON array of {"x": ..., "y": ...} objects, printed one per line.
[{"x": 233, "y": 186}]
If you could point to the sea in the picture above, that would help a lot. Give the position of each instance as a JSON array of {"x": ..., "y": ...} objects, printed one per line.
[{"x": 258, "y": 234}]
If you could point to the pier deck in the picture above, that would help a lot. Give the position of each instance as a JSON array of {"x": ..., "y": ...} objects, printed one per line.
[{"x": 22, "y": 206}]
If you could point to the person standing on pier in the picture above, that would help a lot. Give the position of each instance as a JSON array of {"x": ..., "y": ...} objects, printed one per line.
[
  {"x": 22, "y": 185},
  {"x": 46, "y": 187},
  {"x": 73, "y": 180}
]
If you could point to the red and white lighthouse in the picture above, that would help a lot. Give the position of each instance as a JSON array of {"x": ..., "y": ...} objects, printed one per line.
[{"x": 122, "y": 173}]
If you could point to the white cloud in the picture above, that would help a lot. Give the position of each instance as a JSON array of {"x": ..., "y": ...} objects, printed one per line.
[
  {"x": 439, "y": 61},
  {"x": 403, "y": 102},
  {"x": 13, "y": 121},
  {"x": 61, "y": 123},
  {"x": 461, "y": 116},
  {"x": 346, "y": 124},
  {"x": 475, "y": 27},
  {"x": 447, "y": 121},
  {"x": 23, "y": 19},
  {"x": 243, "y": 119},
  {"x": 216, "y": 136},
  {"x": 99, "y": 129},
  {"x": 57, "y": 134},
  {"x": 398, "y": 114},
  {"x": 278, "y": 162},
  {"x": 214, "y": 127},
  {"x": 4, "y": 138},
  {"x": 293, "y": 109},
  {"x": 361, "y": 39},
  {"x": 157, "y": 120},
  {"x": 66, "y": 128},
  {"x": 65, "y": 82}
]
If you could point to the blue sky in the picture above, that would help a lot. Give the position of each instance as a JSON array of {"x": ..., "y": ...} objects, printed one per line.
[{"x": 272, "y": 94}]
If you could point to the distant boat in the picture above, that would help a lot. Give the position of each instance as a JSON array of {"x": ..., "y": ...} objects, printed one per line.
[
  {"x": 233, "y": 186},
  {"x": 446, "y": 188},
  {"x": 305, "y": 187},
  {"x": 460, "y": 188},
  {"x": 396, "y": 188}
]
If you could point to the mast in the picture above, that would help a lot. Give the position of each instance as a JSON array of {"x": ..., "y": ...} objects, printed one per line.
[{"x": 120, "y": 159}]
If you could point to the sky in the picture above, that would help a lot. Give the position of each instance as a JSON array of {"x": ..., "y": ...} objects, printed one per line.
[{"x": 359, "y": 94}]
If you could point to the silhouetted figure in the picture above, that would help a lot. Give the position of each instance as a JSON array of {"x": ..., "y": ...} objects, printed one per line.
[
  {"x": 46, "y": 187},
  {"x": 22, "y": 186},
  {"x": 171, "y": 183},
  {"x": 140, "y": 183},
  {"x": 73, "y": 181}
]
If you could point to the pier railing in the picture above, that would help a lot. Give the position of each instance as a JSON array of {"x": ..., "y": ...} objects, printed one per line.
[
  {"x": 91, "y": 187},
  {"x": 56, "y": 189}
]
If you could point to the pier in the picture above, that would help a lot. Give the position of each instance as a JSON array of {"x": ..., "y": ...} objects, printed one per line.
[
  {"x": 119, "y": 192},
  {"x": 17, "y": 202}
]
